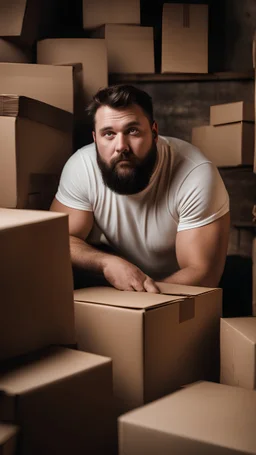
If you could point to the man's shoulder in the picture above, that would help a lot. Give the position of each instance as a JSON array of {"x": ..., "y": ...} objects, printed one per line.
[
  {"x": 87, "y": 151},
  {"x": 183, "y": 151}
]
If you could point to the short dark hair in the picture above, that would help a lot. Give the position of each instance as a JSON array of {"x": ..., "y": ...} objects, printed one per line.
[{"x": 120, "y": 96}]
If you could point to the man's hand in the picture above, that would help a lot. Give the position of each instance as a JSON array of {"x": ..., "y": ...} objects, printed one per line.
[{"x": 127, "y": 277}]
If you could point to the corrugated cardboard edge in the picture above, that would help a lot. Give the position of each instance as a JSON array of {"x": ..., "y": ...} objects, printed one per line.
[{"x": 12, "y": 105}]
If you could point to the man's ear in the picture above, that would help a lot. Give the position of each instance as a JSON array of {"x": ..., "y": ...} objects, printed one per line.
[
  {"x": 94, "y": 136},
  {"x": 155, "y": 130}
]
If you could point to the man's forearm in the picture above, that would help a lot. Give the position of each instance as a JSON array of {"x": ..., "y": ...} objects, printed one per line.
[
  {"x": 193, "y": 276},
  {"x": 86, "y": 256}
]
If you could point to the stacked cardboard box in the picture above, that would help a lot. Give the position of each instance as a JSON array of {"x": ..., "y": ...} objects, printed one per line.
[
  {"x": 130, "y": 46},
  {"x": 157, "y": 341},
  {"x": 254, "y": 277},
  {"x": 184, "y": 38},
  {"x": 202, "y": 418},
  {"x": 8, "y": 439},
  {"x": 59, "y": 397},
  {"x": 38, "y": 141},
  {"x": 229, "y": 139}
]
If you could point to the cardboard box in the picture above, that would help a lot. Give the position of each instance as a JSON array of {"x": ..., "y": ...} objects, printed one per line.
[
  {"x": 38, "y": 142},
  {"x": 36, "y": 285},
  {"x": 226, "y": 145},
  {"x": 254, "y": 277},
  {"x": 221, "y": 114},
  {"x": 157, "y": 341},
  {"x": 184, "y": 38},
  {"x": 10, "y": 52},
  {"x": 51, "y": 84},
  {"x": 203, "y": 418},
  {"x": 238, "y": 352},
  {"x": 100, "y": 12},
  {"x": 121, "y": 40},
  {"x": 63, "y": 401},
  {"x": 92, "y": 53},
  {"x": 8, "y": 439},
  {"x": 21, "y": 19}
]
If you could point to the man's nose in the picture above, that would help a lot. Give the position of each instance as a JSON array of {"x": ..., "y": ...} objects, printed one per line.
[{"x": 121, "y": 144}]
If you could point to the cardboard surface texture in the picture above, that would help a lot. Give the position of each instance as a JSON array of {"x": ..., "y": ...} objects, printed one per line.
[
  {"x": 231, "y": 113},
  {"x": 10, "y": 52},
  {"x": 135, "y": 329},
  {"x": 121, "y": 40},
  {"x": 38, "y": 142},
  {"x": 100, "y": 12},
  {"x": 92, "y": 53},
  {"x": 203, "y": 418},
  {"x": 238, "y": 352},
  {"x": 51, "y": 84},
  {"x": 63, "y": 401},
  {"x": 226, "y": 145},
  {"x": 21, "y": 19},
  {"x": 184, "y": 38},
  {"x": 37, "y": 293},
  {"x": 8, "y": 439}
]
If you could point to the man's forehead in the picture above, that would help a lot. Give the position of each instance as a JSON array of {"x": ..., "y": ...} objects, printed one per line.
[{"x": 107, "y": 115}]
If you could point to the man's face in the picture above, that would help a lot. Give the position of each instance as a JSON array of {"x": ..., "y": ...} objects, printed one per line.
[{"x": 126, "y": 148}]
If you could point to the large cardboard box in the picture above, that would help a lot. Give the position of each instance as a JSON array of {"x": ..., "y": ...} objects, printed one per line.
[
  {"x": 238, "y": 352},
  {"x": 21, "y": 19},
  {"x": 12, "y": 53},
  {"x": 121, "y": 41},
  {"x": 221, "y": 114},
  {"x": 8, "y": 439},
  {"x": 157, "y": 341},
  {"x": 100, "y": 12},
  {"x": 36, "y": 285},
  {"x": 202, "y": 418},
  {"x": 37, "y": 142},
  {"x": 52, "y": 84},
  {"x": 226, "y": 145},
  {"x": 92, "y": 53},
  {"x": 184, "y": 38},
  {"x": 62, "y": 399}
]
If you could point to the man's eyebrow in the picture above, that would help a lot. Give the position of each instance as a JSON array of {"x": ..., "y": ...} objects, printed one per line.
[{"x": 127, "y": 125}]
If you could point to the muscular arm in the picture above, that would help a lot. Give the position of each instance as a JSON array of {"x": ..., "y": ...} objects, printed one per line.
[
  {"x": 120, "y": 273},
  {"x": 201, "y": 254}
]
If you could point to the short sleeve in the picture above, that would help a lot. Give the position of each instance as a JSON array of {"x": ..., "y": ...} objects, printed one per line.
[
  {"x": 74, "y": 186},
  {"x": 202, "y": 197}
]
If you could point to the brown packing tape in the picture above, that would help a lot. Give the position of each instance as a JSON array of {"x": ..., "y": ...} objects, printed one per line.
[
  {"x": 37, "y": 111},
  {"x": 186, "y": 309}
]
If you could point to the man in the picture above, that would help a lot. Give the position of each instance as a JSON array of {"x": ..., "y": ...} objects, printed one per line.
[{"x": 157, "y": 202}]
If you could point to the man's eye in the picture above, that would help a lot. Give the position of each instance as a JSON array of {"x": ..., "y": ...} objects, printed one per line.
[
  {"x": 108, "y": 134},
  {"x": 133, "y": 130}
]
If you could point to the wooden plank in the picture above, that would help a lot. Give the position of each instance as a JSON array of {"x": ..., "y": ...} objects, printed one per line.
[{"x": 179, "y": 77}]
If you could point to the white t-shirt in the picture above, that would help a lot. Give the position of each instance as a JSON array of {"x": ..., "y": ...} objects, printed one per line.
[{"x": 185, "y": 191}]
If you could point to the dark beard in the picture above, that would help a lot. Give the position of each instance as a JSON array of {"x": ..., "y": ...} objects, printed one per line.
[{"x": 134, "y": 181}]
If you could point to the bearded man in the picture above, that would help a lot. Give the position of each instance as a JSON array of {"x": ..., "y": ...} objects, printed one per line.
[{"x": 142, "y": 207}]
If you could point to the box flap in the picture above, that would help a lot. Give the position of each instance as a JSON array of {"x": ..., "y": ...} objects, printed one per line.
[
  {"x": 44, "y": 367},
  {"x": 182, "y": 290},
  {"x": 37, "y": 111},
  {"x": 245, "y": 325},
  {"x": 7, "y": 432},
  {"x": 11, "y": 218},
  {"x": 124, "y": 299}
]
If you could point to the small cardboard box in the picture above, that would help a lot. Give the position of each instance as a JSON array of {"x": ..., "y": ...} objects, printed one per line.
[
  {"x": 36, "y": 285},
  {"x": 63, "y": 401},
  {"x": 11, "y": 53},
  {"x": 8, "y": 439},
  {"x": 226, "y": 145},
  {"x": 221, "y": 114},
  {"x": 254, "y": 277},
  {"x": 184, "y": 38},
  {"x": 238, "y": 352},
  {"x": 51, "y": 84},
  {"x": 37, "y": 142},
  {"x": 157, "y": 341},
  {"x": 202, "y": 418},
  {"x": 92, "y": 53},
  {"x": 121, "y": 41},
  {"x": 100, "y": 12}
]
